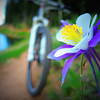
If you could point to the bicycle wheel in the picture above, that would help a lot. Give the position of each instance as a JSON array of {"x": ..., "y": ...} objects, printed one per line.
[{"x": 38, "y": 69}]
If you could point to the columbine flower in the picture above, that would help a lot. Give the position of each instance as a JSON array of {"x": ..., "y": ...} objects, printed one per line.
[{"x": 79, "y": 38}]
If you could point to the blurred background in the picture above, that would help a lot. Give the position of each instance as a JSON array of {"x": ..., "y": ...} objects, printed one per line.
[{"x": 15, "y": 24}]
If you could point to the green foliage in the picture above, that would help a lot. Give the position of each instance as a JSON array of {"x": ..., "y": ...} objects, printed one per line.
[
  {"x": 19, "y": 25},
  {"x": 72, "y": 81},
  {"x": 13, "y": 32},
  {"x": 18, "y": 37},
  {"x": 5, "y": 30},
  {"x": 80, "y": 87},
  {"x": 52, "y": 95},
  {"x": 56, "y": 63},
  {"x": 14, "y": 51}
]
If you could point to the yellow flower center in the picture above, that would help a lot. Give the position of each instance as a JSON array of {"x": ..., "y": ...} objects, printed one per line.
[{"x": 72, "y": 33}]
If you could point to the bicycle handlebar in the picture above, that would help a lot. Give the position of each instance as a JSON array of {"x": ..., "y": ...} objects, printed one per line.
[
  {"x": 52, "y": 5},
  {"x": 58, "y": 6}
]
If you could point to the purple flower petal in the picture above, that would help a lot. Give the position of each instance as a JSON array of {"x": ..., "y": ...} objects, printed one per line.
[
  {"x": 51, "y": 55},
  {"x": 68, "y": 64},
  {"x": 64, "y": 23},
  {"x": 95, "y": 28},
  {"x": 93, "y": 69},
  {"x": 95, "y": 40},
  {"x": 93, "y": 55}
]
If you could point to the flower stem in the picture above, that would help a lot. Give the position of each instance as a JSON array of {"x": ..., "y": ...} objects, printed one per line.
[
  {"x": 93, "y": 50},
  {"x": 93, "y": 70},
  {"x": 81, "y": 64},
  {"x": 81, "y": 74},
  {"x": 94, "y": 58}
]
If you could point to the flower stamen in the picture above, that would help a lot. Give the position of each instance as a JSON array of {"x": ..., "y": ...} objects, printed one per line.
[{"x": 72, "y": 33}]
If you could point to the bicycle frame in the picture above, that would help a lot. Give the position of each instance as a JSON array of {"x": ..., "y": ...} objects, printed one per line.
[{"x": 38, "y": 21}]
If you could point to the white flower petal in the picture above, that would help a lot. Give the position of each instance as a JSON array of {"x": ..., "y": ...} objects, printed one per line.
[
  {"x": 83, "y": 44},
  {"x": 93, "y": 21},
  {"x": 84, "y": 22},
  {"x": 91, "y": 28},
  {"x": 64, "y": 51},
  {"x": 59, "y": 36}
]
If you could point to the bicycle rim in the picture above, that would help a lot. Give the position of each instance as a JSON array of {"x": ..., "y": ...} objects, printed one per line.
[{"x": 38, "y": 69}]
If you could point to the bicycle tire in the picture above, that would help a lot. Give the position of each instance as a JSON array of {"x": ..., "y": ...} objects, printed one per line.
[{"x": 34, "y": 91}]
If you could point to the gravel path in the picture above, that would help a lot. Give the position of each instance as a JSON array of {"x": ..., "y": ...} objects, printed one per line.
[{"x": 13, "y": 81}]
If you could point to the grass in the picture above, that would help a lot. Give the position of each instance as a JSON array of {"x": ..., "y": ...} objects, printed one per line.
[
  {"x": 19, "y": 41},
  {"x": 14, "y": 51},
  {"x": 15, "y": 32}
]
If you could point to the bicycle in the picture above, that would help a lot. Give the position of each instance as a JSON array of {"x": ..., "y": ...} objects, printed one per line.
[{"x": 39, "y": 47}]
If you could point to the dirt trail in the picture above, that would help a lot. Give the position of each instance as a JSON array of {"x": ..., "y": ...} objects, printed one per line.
[{"x": 13, "y": 81}]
